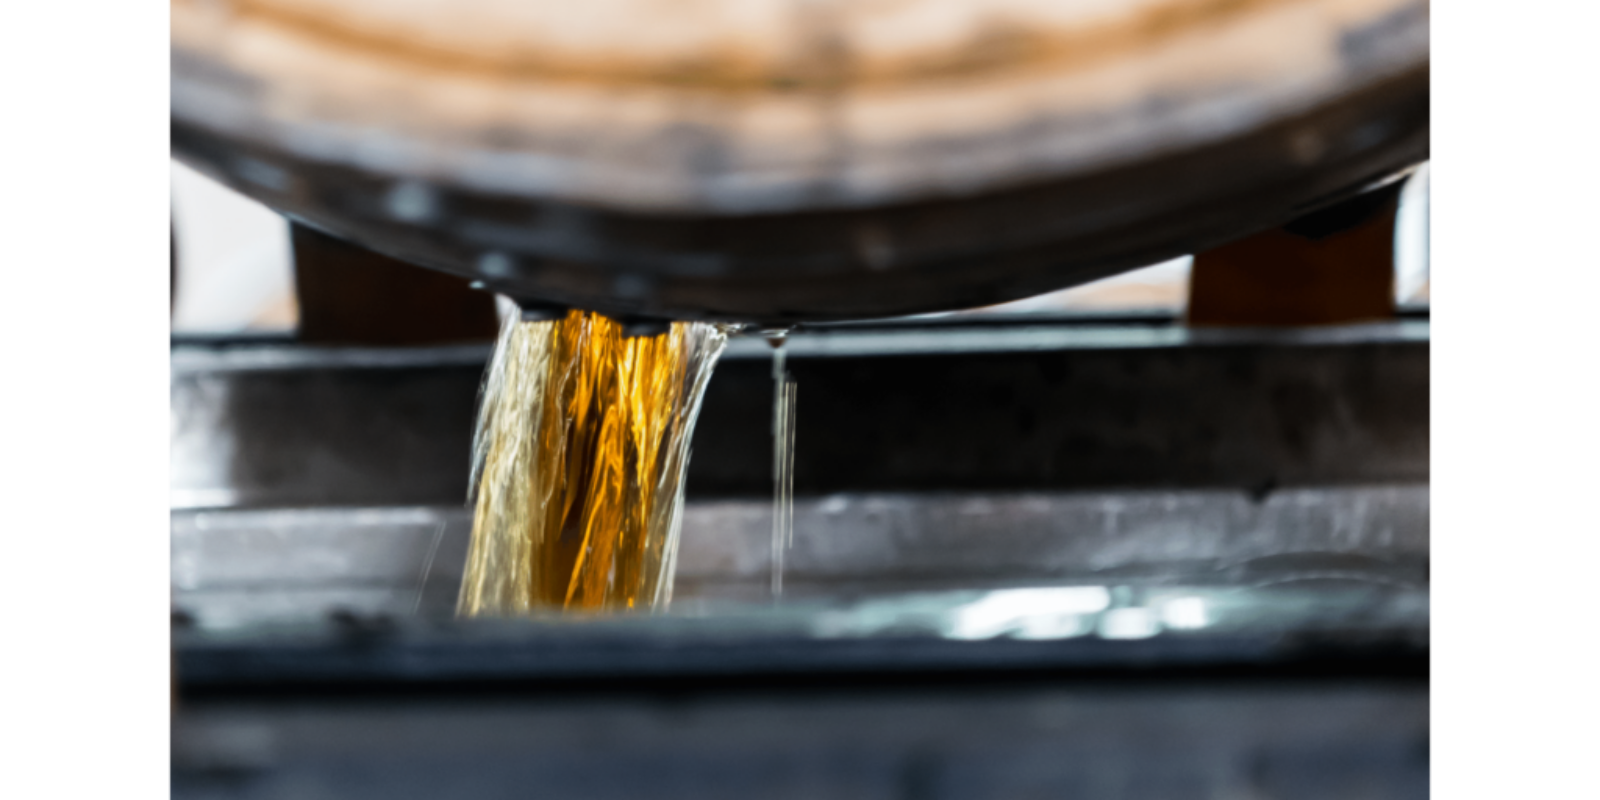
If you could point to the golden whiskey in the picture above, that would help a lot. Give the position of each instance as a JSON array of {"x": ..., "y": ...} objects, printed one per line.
[{"x": 579, "y": 457}]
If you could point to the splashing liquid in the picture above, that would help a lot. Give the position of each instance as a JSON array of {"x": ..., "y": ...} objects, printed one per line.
[
  {"x": 579, "y": 457},
  {"x": 783, "y": 405}
]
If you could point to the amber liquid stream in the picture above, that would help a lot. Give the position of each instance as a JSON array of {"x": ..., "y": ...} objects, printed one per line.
[{"x": 581, "y": 447}]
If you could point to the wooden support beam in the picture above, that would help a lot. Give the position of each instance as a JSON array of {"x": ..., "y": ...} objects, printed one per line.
[
  {"x": 1329, "y": 267},
  {"x": 351, "y": 295}
]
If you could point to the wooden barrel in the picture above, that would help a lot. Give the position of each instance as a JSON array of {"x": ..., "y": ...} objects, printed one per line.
[{"x": 776, "y": 160}]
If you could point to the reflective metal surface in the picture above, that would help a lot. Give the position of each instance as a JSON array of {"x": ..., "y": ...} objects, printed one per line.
[
  {"x": 1328, "y": 741},
  {"x": 1105, "y": 560},
  {"x": 292, "y": 425},
  {"x": 931, "y": 456},
  {"x": 245, "y": 567},
  {"x": 1094, "y": 627},
  {"x": 1036, "y": 405}
]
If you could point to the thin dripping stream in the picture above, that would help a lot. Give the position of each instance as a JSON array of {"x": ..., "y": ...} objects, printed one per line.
[
  {"x": 783, "y": 413},
  {"x": 427, "y": 567}
]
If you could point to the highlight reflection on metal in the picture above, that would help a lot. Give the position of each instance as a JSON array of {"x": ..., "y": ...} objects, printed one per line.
[
  {"x": 899, "y": 634},
  {"x": 1185, "y": 613},
  {"x": 1068, "y": 612},
  {"x": 283, "y": 565},
  {"x": 1183, "y": 610},
  {"x": 1028, "y": 613}
]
